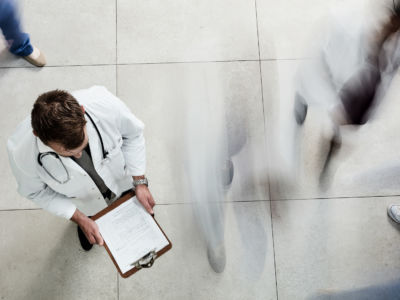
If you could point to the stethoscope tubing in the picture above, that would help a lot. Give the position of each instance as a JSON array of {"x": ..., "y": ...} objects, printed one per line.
[{"x": 41, "y": 155}]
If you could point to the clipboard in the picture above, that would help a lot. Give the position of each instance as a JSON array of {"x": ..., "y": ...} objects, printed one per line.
[{"x": 147, "y": 260}]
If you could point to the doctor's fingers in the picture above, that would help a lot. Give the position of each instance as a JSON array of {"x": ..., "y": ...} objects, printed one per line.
[
  {"x": 99, "y": 239},
  {"x": 91, "y": 238},
  {"x": 151, "y": 200},
  {"x": 146, "y": 204}
]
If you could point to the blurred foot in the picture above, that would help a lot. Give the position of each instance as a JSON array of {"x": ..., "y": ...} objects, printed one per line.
[
  {"x": 36, "y": 58},
  {"x": 227, "y": 173},
  {"x": 333, "y": 138},
  {"x": 394, "y": 212},
  {"x": 300, "y": 109},
  {"x": 216, "y": 258}
]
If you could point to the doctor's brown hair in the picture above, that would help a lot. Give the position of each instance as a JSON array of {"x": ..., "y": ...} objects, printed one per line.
[{"x": 57, "y": 117}]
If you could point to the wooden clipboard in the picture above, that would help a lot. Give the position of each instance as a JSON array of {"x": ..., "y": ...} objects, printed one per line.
[{"x": 111, "y": 207}]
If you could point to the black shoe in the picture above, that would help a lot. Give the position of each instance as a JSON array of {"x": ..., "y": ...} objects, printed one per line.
[
  {"x": 300, "y": 109},
  {"x": 86, "y": 245}
]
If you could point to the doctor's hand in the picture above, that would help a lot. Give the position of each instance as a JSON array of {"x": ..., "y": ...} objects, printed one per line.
[
  {"x": 89, "y": 227},
  {"x": 144, "y": 196}
]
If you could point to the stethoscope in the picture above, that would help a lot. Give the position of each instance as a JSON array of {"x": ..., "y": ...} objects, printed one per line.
[{"x": 54, "y": 154}]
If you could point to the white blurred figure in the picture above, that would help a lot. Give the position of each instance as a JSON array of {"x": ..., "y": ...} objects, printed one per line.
[
  {"x": 348, "y": 76},
  {"x": 208, "y": 167}
]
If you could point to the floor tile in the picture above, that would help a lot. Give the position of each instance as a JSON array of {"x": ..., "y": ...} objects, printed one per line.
[
  {"x": 289, "y": 29},
  {"x": 171, "y": 31},
  {"x": 19, "y": 89},
  {"x": 41, "y": 259},
  {"x": 68, "y": 32},
  {"x": 189, "y": 110},
  {"x": 184, "y": 272},
  {"x": 327, "y": 247}
]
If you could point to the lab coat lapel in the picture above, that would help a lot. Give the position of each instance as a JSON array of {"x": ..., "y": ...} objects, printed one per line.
[{"x": 94, "y": 141}]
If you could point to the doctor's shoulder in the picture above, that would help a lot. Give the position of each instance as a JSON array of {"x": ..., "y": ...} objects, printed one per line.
[
  {"x": 96, "y": 97},
  {"x": 99, "y": 101},
  {"x": 21, "y": 146}
]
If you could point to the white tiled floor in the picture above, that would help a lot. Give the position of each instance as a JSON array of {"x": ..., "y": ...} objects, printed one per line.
[{"x": 282, "y": 241}]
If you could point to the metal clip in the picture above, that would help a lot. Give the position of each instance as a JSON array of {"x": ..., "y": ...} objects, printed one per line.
[{"x": 146, "y": 261}]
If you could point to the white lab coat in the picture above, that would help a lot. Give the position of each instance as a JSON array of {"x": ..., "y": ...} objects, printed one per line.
[{"x": 122, "y": 135}]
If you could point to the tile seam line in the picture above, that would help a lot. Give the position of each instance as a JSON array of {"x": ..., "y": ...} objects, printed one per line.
[
  {"x": 159, "y": 204},
  {"x": 265, "y": 140},
  {"x": 243, "y": 201},
  {"x": 116, "y": 88},
  {"x": 151, "y": 63},
  {"x": 20, "y": 209},
  {"x": 116, "y": 51},
  {"x": 335, "y": 198},
  {"x": 134, "y": 64}
]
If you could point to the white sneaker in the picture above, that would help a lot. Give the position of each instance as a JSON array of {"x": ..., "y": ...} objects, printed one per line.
[
  {"x": 36, "y": 58},
  {"x": 394, "y": 212}
]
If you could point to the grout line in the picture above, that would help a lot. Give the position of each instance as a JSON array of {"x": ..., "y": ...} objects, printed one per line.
[
  {"x": 188, "y": 62},
  {"x": 246, "y": 201},
  {"x": 58, "y": 66},
  {"x": 258, "y": 35},
  {"x": 19, "y": 209},
  {"x": 336, "y": 198},
  {"x": 133, "y": 64},
  {"x": 157, "y": 63},
  {"x": 117, "y": 285},
  {"x": 189, "y": 203},
  {"x": 116, "y": 48},
  {"x": 273, "y": 248},
  {"x": 265, "y": 140},
  {"x": 158, "y": 204},
  {"x": 116, "y": 80},
  {"x": 116, "y": 31}
]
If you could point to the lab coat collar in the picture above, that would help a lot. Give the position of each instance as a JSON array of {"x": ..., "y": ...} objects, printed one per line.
[{"x": 42, "y": 147}]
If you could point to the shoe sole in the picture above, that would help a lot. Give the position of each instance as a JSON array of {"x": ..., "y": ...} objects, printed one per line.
[{"x": 34, "y": 62}]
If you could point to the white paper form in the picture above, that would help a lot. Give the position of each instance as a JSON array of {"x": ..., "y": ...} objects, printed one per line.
[{"x": 130, "y": 233}]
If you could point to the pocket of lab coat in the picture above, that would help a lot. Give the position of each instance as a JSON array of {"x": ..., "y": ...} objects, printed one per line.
[{"x": 116, "y": 163}]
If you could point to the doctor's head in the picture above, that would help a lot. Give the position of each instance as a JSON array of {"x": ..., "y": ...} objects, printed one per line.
[{"x": 59, "y": 122}]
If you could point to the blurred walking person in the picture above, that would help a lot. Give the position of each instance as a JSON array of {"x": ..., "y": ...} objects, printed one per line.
[{"x": 18, "y": 41}]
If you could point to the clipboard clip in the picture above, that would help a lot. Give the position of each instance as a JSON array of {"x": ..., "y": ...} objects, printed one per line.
[{"x": 146, "y": 261}]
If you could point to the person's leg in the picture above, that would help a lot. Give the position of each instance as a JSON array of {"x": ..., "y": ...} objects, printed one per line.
[{"x": 18, "y": 41}]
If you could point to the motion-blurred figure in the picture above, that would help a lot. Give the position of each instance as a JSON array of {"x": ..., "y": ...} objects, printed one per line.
[
  {"x": 350, "y": 75},
  {"x": 18, "y": 41},
  {"x": 208, "y": 166}
]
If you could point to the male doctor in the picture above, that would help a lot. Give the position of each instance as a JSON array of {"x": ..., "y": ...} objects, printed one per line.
[{"x": 77, "y": 153}]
